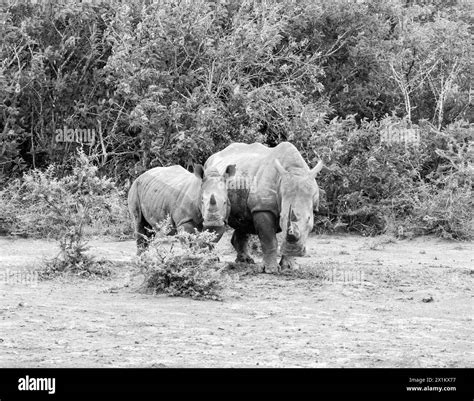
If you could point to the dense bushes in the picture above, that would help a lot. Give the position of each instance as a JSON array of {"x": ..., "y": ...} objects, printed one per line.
[
  {"x": 408, "y": 188},
  {"x": 172, "y": 82},
  {"x": 48, "y": 203},
  {"x": 62, "y": 205},
  {"x": 182, "y": 265}
]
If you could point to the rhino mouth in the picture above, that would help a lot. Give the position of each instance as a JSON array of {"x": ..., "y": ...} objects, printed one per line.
[
  {"x": 214, "y": 223},
  {"x": 293, "y": 249}
]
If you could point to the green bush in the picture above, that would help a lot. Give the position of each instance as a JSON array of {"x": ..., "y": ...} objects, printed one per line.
[
  {"x": 371, "y": 186},
  {"x": 442, "y": 203},
  {"x": 44, "y": 203},
  {"x": 173, "y": 82},
  {"x": 182, "y": 265},
  {"x": 445, "y": 212}
]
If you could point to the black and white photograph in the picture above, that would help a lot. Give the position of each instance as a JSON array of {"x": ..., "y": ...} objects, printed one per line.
[{"x": 249, "y": 184}]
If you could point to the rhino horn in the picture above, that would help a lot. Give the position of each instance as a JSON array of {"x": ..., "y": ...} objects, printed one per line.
[
  {"x": 289, "y": 219},
  {"x": 292, "y": 232},
  {"x": 293, "y": 215}
]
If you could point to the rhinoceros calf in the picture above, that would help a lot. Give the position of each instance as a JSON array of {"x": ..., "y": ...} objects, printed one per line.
[
  {"x": 192, "y": 201},
  {"x": 273, "y": 190}
]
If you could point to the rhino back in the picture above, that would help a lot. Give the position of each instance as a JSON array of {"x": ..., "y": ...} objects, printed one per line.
[
  {"x": 289, "y": 157},
  {"x": 172, "y": 191},
  {"x": 265, "y": 196},
  {"x": 256, "y": 163},
  {"x": 246, "y": 158}
]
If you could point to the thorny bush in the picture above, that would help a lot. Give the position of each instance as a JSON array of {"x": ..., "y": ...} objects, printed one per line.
[
  {"x": 182, "y": 265},
  {"x": 61, "y": 206}
]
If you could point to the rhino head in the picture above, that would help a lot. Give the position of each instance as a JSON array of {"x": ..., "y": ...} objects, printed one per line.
[
  {"x": 299, "y": 196},
  {"x": 214, "y": 204}
]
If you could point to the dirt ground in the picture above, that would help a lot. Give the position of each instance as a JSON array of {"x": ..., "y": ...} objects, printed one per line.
[{"x": 375, "y": 303}]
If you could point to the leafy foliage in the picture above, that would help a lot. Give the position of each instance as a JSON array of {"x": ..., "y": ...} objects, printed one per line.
[
  {"x": 371, "y": 185},
  {"x": 190, "y": 269},
  {"x": 44, "y": 203},
  {"x": 173, "y": 82}
]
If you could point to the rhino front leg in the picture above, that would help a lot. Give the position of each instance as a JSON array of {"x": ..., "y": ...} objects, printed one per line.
[
  {"x": 191, "y": 228},
  {"x": 186, "y": 227},
  {"x": 240, "y": 241},
  {"x": 218, "y": 231},
  {"x": 288, "y": 262},
  {"x": 143, "y": 234},
  {"x": 265, "y": 225}
]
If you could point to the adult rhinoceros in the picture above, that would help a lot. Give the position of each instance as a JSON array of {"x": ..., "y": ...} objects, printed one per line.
[
  {"x": 273, "y": 190},
  {"x": 192, "y": 201}
]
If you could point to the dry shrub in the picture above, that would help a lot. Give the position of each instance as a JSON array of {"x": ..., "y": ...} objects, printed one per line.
[
  {"x": 447, "y": 213},
  {"x": 406, "y": 189},
  {"x": 183, "y": 265},
  {"x": 56, "y": 205}
]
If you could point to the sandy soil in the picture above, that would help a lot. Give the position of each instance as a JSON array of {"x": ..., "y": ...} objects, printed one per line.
[{"x": 378, "y": 304}]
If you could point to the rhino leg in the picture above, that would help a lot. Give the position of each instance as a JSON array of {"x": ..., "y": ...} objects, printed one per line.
[
  {"x": 143, "y": 233},
  {"x": 288, "y": 262},
  {"x": 218, "y": 231},
  {"x": 266, "y": 227},
  {"x": 187, "y": 227},
  {"x": 190, "y": 228},
  {"x": 240, "y": 241}
]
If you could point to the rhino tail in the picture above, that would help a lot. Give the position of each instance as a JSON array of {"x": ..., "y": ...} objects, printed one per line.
[
  {"x": 133, "y": 201},
  {"x": 141, "y": 227},
  {"x": 135, "y": 207}
]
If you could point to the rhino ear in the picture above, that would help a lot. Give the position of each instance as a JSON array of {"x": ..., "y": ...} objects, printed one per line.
[
  {"x": 316, "y": 198},
  {"x": 316, "y": 201},
  {"x": 229, "y": 171},
  {"x": 314, "y": 172},
  {"x": 279, "y": 167},
  {"x": 199, "y": 171}
]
